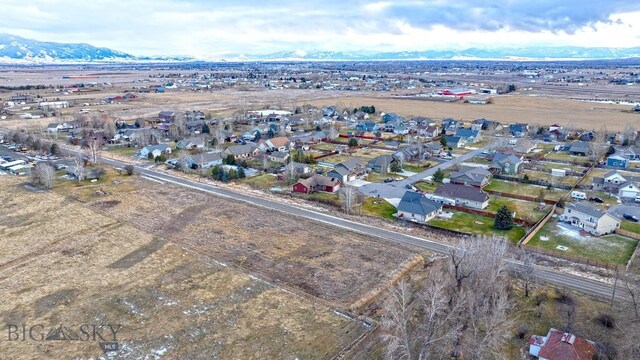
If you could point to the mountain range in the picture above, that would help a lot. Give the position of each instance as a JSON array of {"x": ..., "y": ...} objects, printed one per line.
[{"x": 15, "y": 49}]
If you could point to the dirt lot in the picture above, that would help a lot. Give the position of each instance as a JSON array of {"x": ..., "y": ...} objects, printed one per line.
[{"x": 155, "y": 259}]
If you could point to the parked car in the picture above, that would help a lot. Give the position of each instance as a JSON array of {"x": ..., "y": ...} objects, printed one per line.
[
  {"x": 388, "y": 180},
  {"x": 630, "y": 217},
  {"x": 409, "y": 186},
  {"x": 597, "y": 199}
]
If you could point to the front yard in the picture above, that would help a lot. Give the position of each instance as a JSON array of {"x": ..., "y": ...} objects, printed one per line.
[
  {"x": 378, "y": 208},
  {"x": 476, "y": 225},
  {"x": 613, "y": 249}
]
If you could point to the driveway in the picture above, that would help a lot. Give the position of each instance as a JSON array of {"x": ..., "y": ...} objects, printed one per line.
[{"x": 619, "y": 210}]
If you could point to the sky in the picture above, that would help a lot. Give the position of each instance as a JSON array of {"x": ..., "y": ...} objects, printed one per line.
[{"x": 204, "y": 28}]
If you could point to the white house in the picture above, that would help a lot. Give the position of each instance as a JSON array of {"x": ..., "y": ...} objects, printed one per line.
[
  {"x": 416, "y": 207},
  {"x": 154, "y": 150},
  {"x": 590, "y": 219}
]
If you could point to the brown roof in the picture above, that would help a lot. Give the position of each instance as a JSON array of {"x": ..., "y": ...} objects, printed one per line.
[
  {"x": 321, "y": 180},
  {"x": 280, "y": 141},
  {"x": 565, "y": 346}
]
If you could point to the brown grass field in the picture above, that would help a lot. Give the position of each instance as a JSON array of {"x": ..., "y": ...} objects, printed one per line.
[{"x": 156, "y": 260}]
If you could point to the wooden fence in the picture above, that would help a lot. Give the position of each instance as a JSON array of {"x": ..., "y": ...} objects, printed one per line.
[
  {"x": 519, "y": 197},
  {"x": 628, "y": 234},
  {"x": 518, "y": 221},
  {"x": 534, "y": 230}
]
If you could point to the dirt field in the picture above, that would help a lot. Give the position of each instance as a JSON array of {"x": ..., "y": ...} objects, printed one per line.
[
  {"x": 155, "y": 259},
  {"x": 67, "y": 260},
  {"x": 506, "y": 109}
]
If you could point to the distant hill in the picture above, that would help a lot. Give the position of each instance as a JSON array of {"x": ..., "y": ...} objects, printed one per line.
[
  {"x": 18, "y": 48},
  {"x": 15, "y": 49}
]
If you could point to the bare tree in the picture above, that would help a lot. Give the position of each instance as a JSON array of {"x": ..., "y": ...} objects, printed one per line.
[
  {"x": 78, "y": 167},
  {"x": 290, "y": 171},
  {"x": 629, "y": 319},
  {"x": 183, "y": 160},
  {"x": 598, "y": 146},
  {"x": 527, "y": 273},
  {"x": 350, "y": 198},
  {"x": 462, "y": 310},
  {"x": 94, "y": 149},
  {"x": 628, "y": 134},
  {"x": 43, "y": 174}
]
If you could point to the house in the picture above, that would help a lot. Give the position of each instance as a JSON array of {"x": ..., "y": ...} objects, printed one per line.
[
  {"x": 506, "y": 163},
  {"x": 205, "y": 160},
  {"x": 488, "y": 125},
  {"x": 154, "y": 150},
  {"x": 241, "y": 151},
  {"x": 558, "y": 345},
  {"x": 450, "y": 126},
  {"x": 300, "y": 168},
  {"x": 631, "y": 153},
  {"x": 54, "y": 127},
  {"x": 381, "y": 164},
  {"x": 617, "y": 161},
  {"x": 433, "y": 148},
  {"x": 367, "y": 126},
  {"x": 280, "y": 143},
  {"x": 167, "y": 116},
  {"x": 614, "y": 182},
  {"x": 524, "y": 146},
  {"x": 428, "y": 131},
  {"x": 463, "y": 195},
  {"x": 191, "y": 143},
  {"x": 469, "y": 136},
  {"x": 580, "y": 148},
  {"x": 415, "y": 206},
  {"x": 279, "y": 157},
  {"x": 349, "y": 170},
  {"x": 518, "y": 130},
  {"x": 317, "y": 183},
  {"x": 474, "y": 176},
  {"x": 454, "y": 141},
  {"x": 590, "y": 219}
]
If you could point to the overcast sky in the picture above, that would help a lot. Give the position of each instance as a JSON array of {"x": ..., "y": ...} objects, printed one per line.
[{"x": 210, "y": 27}]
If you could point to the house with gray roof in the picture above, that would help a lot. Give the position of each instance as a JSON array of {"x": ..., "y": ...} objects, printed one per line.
[
  {"x": 416, "y": 207},
  {"x": 580, "y": 148},
  {"x": 191, "y": 143},
  {"x": 464, "y": 195},
  {"x": 154, "y": 150},
  {"x": 590, "y": 219},
  {"x": 469, "y": 136},
  {"x": 381, "y": 164},
  {"x": 205, "y": 160},
  {"x": 506, "y": 163},
  {"x": 474, "y": 176},
  {"x": 241, "y": 151}
]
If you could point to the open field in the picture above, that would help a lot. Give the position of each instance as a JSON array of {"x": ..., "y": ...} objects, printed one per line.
[
  {"x": 331, "y": 264},
  {"x": 507, "y": 109},
  {"x": 613, "y": 249},
  {"x": 70, "y": 262}
]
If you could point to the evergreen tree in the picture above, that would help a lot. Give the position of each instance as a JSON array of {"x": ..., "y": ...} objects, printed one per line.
[
  {"x": 395, "y": 167},
  {"x": 353, "y": 142},
  {"x": 229, "y": 160},
  {"x": 241, "y": 173},
  {"x": 503, "y": 219},
  {"x": 55, "y": 149},
  {"x": 443, "y": 141},
  {"x": 205, "y": 129},
  {"x": 438, "y": 176}
]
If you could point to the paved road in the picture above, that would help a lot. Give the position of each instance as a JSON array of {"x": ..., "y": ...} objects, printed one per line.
[
  {"x": 559, "y": 278},
  {"x": 397, "y": 189},
  {"x": 556, "y": 277}
]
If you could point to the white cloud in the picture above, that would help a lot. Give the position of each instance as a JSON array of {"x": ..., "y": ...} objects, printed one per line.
[{"x": 200, "y": 27}]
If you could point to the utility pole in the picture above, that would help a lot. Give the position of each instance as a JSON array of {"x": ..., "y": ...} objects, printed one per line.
[{"x": 615, "y": 285}]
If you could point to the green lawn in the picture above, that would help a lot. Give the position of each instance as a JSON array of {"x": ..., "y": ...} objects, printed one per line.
[
  {"x": 263, "y": 181},
  {"x": 545, "y": 176},
  {"x": 426, "y": 186},
  {"x": 564, "y": 156},
  {"x": 122, "y": 150},
  {"x": 614, "y": 249},
  {"x": 477, "y": 225},
  {"x": 377, "y": 177},
  {"x": 523, "y": 209},
  {"x": 325, "y": 198},
  {"x": 511, "y": 187},
  {"x": 630, "y": 226},
  {"x": 378, "y": 207},
  {"x": 324, "y": 147}
]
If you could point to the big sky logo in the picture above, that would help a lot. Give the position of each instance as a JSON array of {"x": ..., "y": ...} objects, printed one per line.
[{"x": 105, "y": 334}]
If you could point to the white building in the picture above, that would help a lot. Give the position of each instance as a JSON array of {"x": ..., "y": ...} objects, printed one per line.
[{"x": 590, "y": 219}]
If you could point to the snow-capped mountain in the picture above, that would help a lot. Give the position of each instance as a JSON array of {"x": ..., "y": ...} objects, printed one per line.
[
  {"x": 18, "y": 48},
  {"x": 15, "y": 49}
]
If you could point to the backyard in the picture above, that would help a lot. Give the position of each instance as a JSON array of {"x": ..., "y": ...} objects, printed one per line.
[
  {"x": 511, "y": 187},
  {"x": 613, "y": 249},
  {"x": 476, "y": 225}
]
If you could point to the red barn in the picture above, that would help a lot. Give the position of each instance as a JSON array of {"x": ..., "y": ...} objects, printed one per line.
[
  {"x": 456, "y": 92},
  {"x": 317, "y": 183}
]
